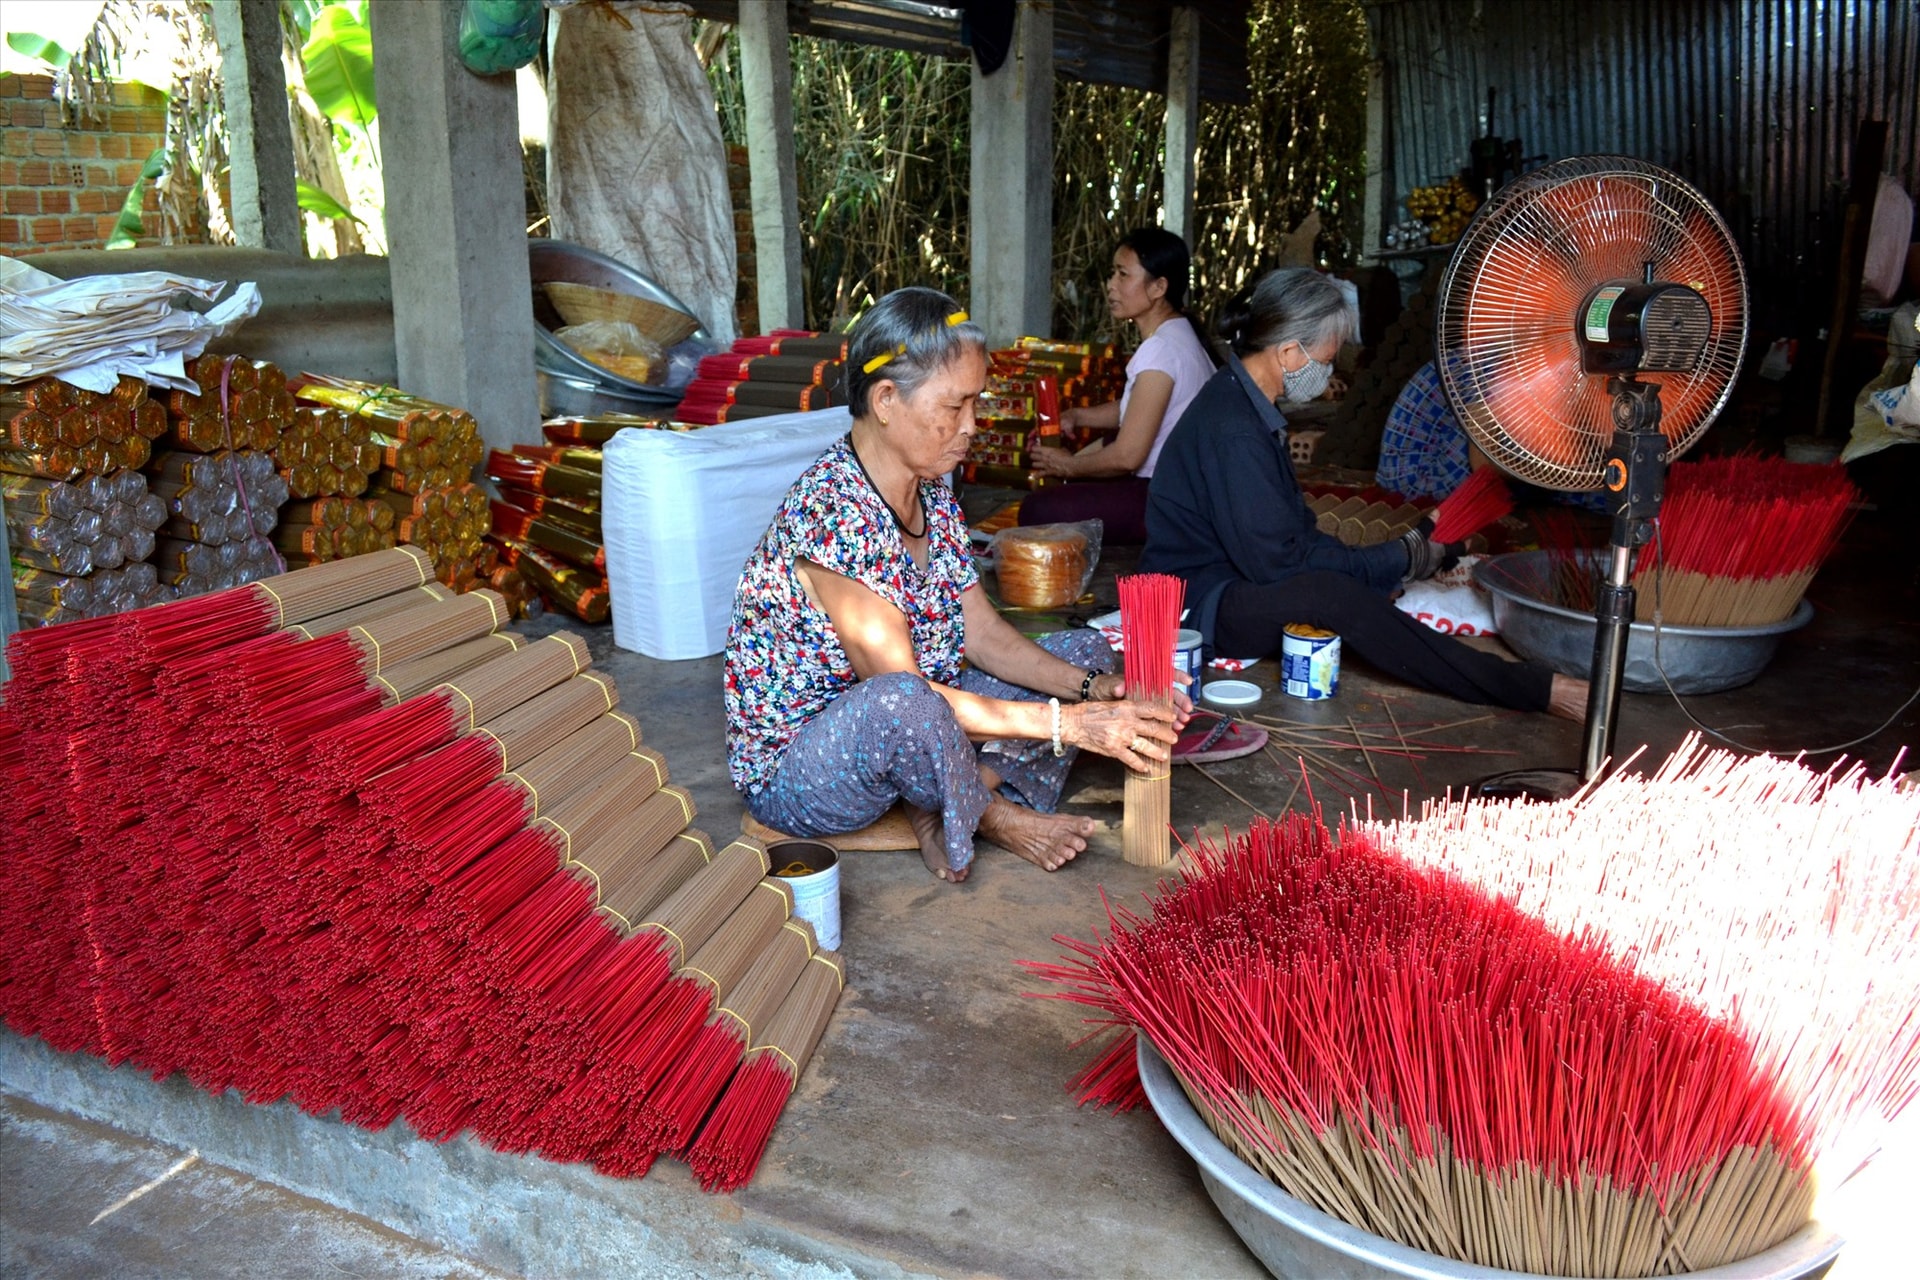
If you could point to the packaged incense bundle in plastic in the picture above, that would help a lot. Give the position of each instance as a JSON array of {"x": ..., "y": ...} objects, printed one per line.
[
  {"x": 542, "y": 477},
  {"x": 42, "y": 613},
  {"x": 577, "y": 457},
  {"x": 326, "y": 451},
  {"x": 73, "y": 560},
  {"x": 597, "y": 430},
  {"x": 60, "y": 462},
  {"x": 581, "y": 514},
  {"x": 243, "y": 404},
  {"x": 523, "y": 526},
  {"x": 579, "y": 591},
  {"x": 52, "y": 588}
]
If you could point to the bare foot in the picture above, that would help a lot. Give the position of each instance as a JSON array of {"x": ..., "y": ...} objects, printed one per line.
[
  {"x": 1047, "y": 840},
  {"x": 932, "y": 834},
  {"x": 1568, "y": 699}
]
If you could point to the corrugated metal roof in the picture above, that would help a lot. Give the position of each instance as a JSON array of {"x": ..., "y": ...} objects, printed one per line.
[
  {"x": 1121, "y": 42},
  {"x": 1753, "y": 101}
]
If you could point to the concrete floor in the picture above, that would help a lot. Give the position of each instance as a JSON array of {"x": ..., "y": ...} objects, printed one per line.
[
  {"x": 85, "y": 1200},
  {"x": 932, "y": 1133}
]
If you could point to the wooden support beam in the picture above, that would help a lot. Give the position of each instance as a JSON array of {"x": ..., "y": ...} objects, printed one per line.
[
  {"x": 1012, "y": 183},
  {"x": 1183, "y": 121},
  {"x": 456, "y": 223},
  {"x": 266, "y": 201},
  {"x": 766, "y": 73}
]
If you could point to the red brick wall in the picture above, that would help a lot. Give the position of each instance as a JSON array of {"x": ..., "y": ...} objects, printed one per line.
[{"x": 62, "y": 182}]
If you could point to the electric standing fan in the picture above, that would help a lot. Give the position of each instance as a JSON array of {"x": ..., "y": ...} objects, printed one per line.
[{"x": 1588, "y": 330}]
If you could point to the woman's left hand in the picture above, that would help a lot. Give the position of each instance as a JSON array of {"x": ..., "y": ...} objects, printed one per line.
[
  {"x": 1112, "y": 687},
  {"x": 1049, "y": 461}
]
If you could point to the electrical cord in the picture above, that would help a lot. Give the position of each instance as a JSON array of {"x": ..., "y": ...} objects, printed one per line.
[{"x": 1659, "y": 571}]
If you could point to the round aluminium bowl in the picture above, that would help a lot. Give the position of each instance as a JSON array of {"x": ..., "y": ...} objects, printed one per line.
[
  {"x": 1296, "y": 1241},
  {"x": 1696, "y": 659},
  {"x": 553, "y": 261}
]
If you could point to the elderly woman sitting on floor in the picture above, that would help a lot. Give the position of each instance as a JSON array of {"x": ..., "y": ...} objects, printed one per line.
[{"x": 845, "y": 682}]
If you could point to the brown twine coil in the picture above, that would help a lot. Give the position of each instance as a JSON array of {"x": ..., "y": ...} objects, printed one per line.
[{"x": 1041, "y": 568}]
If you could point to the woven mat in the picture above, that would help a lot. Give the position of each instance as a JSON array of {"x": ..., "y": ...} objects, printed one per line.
[{"x": 892, "y": 831}]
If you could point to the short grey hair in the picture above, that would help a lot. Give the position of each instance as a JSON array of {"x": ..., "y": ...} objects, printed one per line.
[
  {"x": 1292, "y": 305},
  {"x": 913, "y": 328}
]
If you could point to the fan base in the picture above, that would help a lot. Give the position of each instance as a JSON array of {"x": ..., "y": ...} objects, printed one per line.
[{"x": 1539, "y": 786}]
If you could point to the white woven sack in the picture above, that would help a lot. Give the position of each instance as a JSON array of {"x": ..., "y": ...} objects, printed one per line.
[{"x": 682, "y": 511}]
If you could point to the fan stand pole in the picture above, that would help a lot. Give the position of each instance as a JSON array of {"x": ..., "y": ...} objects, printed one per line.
[{"x": 1635, "y": 475}]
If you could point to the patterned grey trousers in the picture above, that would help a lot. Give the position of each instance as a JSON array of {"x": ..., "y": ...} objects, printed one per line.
[{"x": 893, "y": 738}]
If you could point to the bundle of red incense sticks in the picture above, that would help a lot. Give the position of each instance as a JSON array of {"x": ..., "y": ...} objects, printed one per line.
[
  {"x": 334, "y": 837},
  {"x": 1627, "y": 1034},
  {"x": 1149, "y": 623},
  {"x": 1482, "y": 498}
]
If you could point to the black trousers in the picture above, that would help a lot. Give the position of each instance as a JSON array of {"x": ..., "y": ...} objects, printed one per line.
[{"x": 1251, "y": 618}]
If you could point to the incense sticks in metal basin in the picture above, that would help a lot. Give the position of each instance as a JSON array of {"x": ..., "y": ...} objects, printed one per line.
[{"x": 1621, "y": 1035}]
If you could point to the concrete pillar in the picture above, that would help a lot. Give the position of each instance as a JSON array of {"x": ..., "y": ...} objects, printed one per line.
[
  {"x": 766, "y": 72},
  {"x": 1183, "y": 121},
  {"x": 253, "y": 89},
  {"x": 9, "y": 615},
  {"x": 1012, "y": 183},
  {"x": 456, "y": 222},
  {"x": 1374, "y": 212}
]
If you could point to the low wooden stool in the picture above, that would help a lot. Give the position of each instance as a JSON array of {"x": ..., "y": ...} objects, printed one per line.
[{"x": 893, "y": 831}]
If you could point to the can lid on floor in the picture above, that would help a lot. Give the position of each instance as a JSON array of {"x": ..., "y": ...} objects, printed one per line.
[{"x": 1230, "y": 693}]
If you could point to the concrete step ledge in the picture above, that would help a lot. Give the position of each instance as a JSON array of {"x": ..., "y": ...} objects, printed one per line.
[{"x": 515, "y": 1213}]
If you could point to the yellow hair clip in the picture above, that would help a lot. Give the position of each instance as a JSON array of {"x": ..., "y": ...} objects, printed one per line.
[{"x": 958, "y": 317}]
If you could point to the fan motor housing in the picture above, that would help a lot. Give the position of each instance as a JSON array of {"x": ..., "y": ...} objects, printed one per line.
[{"x": 1630, "y": 326}]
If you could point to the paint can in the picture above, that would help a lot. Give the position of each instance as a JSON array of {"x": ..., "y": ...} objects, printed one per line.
[
  {"x": 1186, "y": 656},
  {"x": 1309, "y": 662},
  {"x": 811, "y": 868}
]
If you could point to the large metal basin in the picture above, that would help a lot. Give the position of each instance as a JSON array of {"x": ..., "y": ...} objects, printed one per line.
[
  {"x": 1296, "y": 1241},
  {"x": 558, "y": 260},
  {"x": 1696, "y": 659}
]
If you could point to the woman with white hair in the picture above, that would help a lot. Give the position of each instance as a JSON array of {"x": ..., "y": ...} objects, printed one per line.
[
  {"x": 845, "y": 683},
  {"x": 1224, "y": 512}
]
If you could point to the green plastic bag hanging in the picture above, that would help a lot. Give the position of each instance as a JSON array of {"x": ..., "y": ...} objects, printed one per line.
[{"x": 500, "y": 35}]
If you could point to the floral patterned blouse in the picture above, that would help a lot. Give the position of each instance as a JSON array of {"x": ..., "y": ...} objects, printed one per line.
[{"x": 784, "y": 661}]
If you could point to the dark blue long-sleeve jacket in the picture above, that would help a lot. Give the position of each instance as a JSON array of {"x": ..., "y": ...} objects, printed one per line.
[{"x": 1224, "y": 505}]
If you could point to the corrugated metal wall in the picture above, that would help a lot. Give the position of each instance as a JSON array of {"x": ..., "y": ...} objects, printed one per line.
[{"x": 1753, "y": 101}]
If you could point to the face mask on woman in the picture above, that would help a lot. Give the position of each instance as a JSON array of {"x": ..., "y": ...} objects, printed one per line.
[{"x": 1308, "y": 381}]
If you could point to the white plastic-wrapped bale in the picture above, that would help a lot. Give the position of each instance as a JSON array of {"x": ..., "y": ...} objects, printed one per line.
[{"x": 682, "y": 511}]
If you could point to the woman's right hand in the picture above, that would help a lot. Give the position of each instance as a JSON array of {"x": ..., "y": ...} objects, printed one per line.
[{"x": 1138, "y": 734}]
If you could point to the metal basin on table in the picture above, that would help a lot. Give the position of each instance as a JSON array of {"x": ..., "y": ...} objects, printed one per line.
[
  {"x": 1296, "y": 1241},
  {"x": 557, "y": 260},
  {"x": 1696, "y": 659}
]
